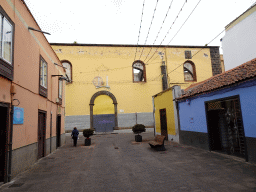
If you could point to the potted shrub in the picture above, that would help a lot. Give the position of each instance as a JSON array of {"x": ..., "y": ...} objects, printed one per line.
[
  {"x": 137, "y": 129},
  {"x": 87, "y": 133}
]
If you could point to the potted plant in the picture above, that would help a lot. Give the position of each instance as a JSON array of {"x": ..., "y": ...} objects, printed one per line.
[
  {"x": 87, "y": 133},
  {"x": 137, "y": 129}
]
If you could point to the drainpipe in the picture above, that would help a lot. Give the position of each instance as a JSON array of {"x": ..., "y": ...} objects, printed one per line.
[
  {"x": 154, "y": 115},
  {"x": 51, "y": 134},
  {"x": 164, "y": 76},
  {"x": 177, "y": 108}
]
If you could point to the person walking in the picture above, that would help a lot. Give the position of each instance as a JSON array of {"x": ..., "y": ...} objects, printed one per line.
[{"x": 74, "y": 135}]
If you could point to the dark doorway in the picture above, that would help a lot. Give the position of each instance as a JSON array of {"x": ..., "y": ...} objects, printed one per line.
[
  {"x": 215, "y": 133},
  {"x": 3, "y": 142},
  {"x": 225, "y": 127},
  {"x": 58, "y": 128},
  {"x": 41, "y": 133},
  {"x": 163, "y": 123}
]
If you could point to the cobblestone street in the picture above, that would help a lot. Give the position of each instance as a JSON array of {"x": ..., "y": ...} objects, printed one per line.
[{"x": 115, "y": 162}]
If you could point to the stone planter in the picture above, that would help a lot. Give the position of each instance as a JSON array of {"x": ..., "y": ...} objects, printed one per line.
[
  {"x": 138, "y": 138},
  {"x": 87, "y": 142}
]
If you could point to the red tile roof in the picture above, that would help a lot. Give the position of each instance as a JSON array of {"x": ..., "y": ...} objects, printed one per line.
[{"x": 240, "y": 73}]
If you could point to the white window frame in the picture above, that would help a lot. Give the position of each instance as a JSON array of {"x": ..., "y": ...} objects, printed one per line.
[
  {"x": 2, "y": 28},
  {"x": 60, "y": 88},
  {"x": 67, "y": 64},
  {"x": 43, "y": 65}
]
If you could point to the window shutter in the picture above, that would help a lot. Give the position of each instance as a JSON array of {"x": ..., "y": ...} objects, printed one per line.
[{"x": 188, "y": 55}]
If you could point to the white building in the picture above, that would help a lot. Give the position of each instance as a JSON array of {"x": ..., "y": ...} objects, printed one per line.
[{"x": 239, "y": 42}]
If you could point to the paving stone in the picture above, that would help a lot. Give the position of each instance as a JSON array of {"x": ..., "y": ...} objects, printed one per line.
[{"x": 114, "y": 163}]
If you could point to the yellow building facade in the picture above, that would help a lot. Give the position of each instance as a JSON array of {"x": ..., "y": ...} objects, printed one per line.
[
  {"x": 118, "y": 81},
  {"x": 164, "y": 114}
]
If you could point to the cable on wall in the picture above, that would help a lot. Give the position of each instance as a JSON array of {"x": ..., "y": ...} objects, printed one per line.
[
  {"x": 179, "y": 28},
  {"x": 198, "y": 51},
  {"x": 169, "y": 28}
]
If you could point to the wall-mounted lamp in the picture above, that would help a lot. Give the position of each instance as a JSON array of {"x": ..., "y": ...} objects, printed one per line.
[
  {"x": 61, "y": 77},
  {"x": 60, "y": 65},
  {"x": 31, "y": 28}
]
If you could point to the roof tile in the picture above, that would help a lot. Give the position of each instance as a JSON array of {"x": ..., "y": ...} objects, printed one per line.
[{"x": 242, "y": 72}]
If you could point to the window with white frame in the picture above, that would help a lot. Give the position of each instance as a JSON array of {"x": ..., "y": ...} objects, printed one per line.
[
  {"x": 43, "y": 73},
  {"x": 6, "y": 39},
  {"x": 139, "y": 73},
  {"x": 68, "y": 68},
  {"x": 43, "y": 78},
  {"x": 60, "y": 88},
  {"x": 189, "y": 71},
  {"x": 6, "y": 44}
]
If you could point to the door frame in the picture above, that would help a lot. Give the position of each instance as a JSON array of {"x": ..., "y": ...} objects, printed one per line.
[
  {"x": 242, "y": 124},
  {"x": 44, "y": 133},
  {"x": 7, "y": 128},
  {"x": 92, "y": 104}
]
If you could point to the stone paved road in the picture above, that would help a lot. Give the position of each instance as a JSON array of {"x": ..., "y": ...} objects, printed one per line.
[{"x": 114, "y": 162}]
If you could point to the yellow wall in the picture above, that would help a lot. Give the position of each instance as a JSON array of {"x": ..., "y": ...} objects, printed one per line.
[
  {"x": 103, "y": 104},
  {"x": 165, "y": 100},
  {"x": 116, "y": 63}
]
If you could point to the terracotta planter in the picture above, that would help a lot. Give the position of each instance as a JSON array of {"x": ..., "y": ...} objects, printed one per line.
[{"x": 87, "y": 142}]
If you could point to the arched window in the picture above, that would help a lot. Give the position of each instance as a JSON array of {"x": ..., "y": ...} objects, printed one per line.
[
  {"x": 139, "y": 71},
  {"x": 189, "y": 71},
  {"x": 68, "y": 68}
]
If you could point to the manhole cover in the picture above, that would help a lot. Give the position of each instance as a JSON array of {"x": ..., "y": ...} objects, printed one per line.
[{"x": 16, "y": 185}]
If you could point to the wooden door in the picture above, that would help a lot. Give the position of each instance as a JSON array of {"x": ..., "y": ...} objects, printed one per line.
[
  {"x": 41, "y": 134},
  {"x": 163, "y": 122},
  {"x": 58, "y": 128},
  {"x": 3, "y": 142}
]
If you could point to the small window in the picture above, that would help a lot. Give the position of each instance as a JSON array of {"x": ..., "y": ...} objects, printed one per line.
[
  {"x": 139, "y": 72},
  {"x": 6, "y": 45},
  {"x": 68, "y": 68},
  {"x": 189, "y": 71},
  {"x": 60, "y": 88},
  {"x": 43, "y": 78},
  {"x": 188, "y": 55}
]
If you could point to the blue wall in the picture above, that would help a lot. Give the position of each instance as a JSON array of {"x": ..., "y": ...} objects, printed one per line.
[{"x": 193, "y": 116}]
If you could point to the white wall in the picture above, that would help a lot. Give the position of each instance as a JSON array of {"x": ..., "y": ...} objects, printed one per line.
[{"x": 239, "y": 43}]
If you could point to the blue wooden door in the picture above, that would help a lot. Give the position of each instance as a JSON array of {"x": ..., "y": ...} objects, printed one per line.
[{"x": 104, "y": 122}]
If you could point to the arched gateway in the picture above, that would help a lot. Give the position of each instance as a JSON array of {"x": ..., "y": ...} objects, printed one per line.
[{"x": 103, "y": 122}]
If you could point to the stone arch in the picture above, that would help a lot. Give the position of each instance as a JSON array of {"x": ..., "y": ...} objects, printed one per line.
[{"x": 92, "y": 104}]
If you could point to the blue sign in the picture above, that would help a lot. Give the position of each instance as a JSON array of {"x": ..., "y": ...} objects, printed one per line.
[{"x": 18, "y": 116}]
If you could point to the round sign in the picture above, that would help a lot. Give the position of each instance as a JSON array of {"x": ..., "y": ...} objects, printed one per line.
[{"x": 97, "y": 81}]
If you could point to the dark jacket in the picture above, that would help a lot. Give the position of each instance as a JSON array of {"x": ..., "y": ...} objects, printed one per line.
[{"x": 75, "y": 133}]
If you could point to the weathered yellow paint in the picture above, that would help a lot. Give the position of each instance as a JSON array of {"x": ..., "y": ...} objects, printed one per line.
[
  {"x": 103, "y": 104},
  {"x": 165, "y": 101},
  {"x": 116, "y": 62}
]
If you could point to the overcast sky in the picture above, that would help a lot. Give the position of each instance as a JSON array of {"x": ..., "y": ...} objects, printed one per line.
[{"x": 118, "y": 21}]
